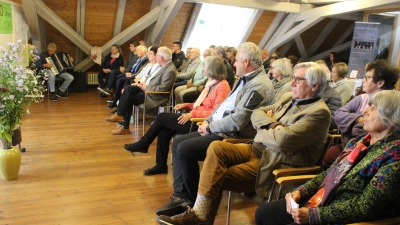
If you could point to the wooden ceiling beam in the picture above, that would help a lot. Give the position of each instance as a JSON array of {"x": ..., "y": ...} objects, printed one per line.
[
  {"x": 300, "y": 46},
  {"x": 345, "y": 35},
  {"x": 250, "y": 26},
  {"x": 124, "y": 36},
  {"x": 339, "y": 48},
  {"x": 322, "y": 36},
  {"x": 168, "y": 11},
  {"x": 268, "y": 5},
  {"x": 35, "y": 27},
  {"x": 275, "y": 24},
  {"x": 47, "y": 14},
  {"x": 119, "y": 16},
  {"x": 342, "y": 8}
]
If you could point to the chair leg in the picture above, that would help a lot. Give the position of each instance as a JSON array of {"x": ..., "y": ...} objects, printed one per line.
[
  {"x": 228, "y": 210},
  {"x": 144, "y": 114}
]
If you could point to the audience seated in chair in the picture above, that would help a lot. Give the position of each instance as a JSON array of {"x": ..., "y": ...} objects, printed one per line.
[
  {"x": 380, "y": 75},
  {"x": 290, "y": 133},
  {"x": 41, "y": 63},
  {"x": 186, "y": 75},
  {"x": 230, "y": 56},
  {"x": 160, "y": 77},
  {"x": 167, "y": 125},
  {"x": 230, "y": 119},
  {"x": 132, "y": 58},
  {"x": 281, "y": 72},
  {"x": 197, "y": 79},
  {"x": 185, "y": 61},
  {"x": 128, "y": 76},
  {"x": 178, "y": 56},
  {"x": 220, "y": 52},
  {"x": 362, "y": 184},
  {"x": 339, "y": 83},
  {"x": 110, "y": 69},
  {"x": 198, "y": 82}
]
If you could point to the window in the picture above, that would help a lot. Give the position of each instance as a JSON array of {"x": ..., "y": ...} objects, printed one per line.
[{"x": 219, "y": 25}]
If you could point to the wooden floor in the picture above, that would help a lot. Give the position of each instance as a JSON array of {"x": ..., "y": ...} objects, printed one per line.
[{"x": 75, "y": 172}]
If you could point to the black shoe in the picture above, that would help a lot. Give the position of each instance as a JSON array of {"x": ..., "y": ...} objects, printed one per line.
[
  {"x": 176, "y": 205},
  {"x": 114, "y": 111},
  {"x": 102, "y": 95},
  {"x": 156, "y": 170},
  {"x": 121, "y": 123},
  {"x": 111, "y": 105},
  {"x": 136, "y": 147},
  {"x": 61, "y": 94},
  {"x": 111, "y": 100},
  {"x": 54, "y": 97}
]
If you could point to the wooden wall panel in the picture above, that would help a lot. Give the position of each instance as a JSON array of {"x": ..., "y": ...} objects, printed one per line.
[
  {"x": 66, "y": 10},
  {"x": 261, "y": 27},
  {"x": 99, "y": 21},
  {"x": 178, "y": 26},
  {"x": 134, "y": 10}
]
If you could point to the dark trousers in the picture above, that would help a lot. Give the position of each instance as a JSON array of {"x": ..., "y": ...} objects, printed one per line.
[
  {"x": 110, "y": 78},
  {"x": 132, "y": 95},
  {"x": 273, "y": 213},
  {"x": 191, "y": 96},
  {"x": 120, "y": 83},
  {"x": 165, "y": 127},
  {"x": 187, "y": 150}
]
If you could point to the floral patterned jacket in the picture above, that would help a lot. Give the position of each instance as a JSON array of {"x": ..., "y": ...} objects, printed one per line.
[{"x": 370, "y": 190}]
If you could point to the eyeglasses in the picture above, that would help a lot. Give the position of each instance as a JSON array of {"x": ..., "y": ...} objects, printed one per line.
[
  {"x": 298, "y": 79},
  {"x": 205, "y": 55},
  {"x": 368, "y": 77}
]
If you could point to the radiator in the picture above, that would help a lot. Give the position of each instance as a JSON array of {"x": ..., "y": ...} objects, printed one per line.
[{"x": 92, "y": 79}]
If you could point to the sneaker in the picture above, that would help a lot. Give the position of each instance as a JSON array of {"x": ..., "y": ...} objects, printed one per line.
[
  {"x": 61, "y": 94},
  {"x": 186, "y": 218},
  {"x": 54, "y": 97},
  {"x": 175, "y": 206},
  {"x": 104, "y": 90},
  {"x": 110, "y": 101}
]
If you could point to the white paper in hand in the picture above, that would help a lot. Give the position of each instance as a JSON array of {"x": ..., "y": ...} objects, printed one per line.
[{"x": 293, "y": 203}]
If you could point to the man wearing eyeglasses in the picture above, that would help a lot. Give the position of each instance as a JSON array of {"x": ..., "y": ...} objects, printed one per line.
[{"x": 290, "y": 133}]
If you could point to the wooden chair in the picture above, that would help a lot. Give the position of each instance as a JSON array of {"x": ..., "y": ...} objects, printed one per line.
[
  {"x": 165, "y": 106},
  {"x": 282, "y": 175}
]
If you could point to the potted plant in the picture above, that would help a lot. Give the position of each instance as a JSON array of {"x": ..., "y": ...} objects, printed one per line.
[{"x": 20, "y": 84}]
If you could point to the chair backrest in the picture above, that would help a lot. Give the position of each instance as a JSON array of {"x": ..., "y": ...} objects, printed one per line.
[{"x": 328, "y": 144}]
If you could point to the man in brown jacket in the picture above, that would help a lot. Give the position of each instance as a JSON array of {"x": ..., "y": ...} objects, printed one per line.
[{"x": 292, "y": 132}]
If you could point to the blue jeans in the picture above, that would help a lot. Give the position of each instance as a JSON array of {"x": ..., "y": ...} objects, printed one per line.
[{"x": 68, "y": 78}]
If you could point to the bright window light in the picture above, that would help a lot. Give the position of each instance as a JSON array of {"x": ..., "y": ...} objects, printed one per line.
[{"x": 219, "y": 25}]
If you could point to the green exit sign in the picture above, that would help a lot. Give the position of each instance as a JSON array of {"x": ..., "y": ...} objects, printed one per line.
[{"x": 201, "y": 21}]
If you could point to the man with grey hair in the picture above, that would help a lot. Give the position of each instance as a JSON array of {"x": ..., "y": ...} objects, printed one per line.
[
  {"x": 230, "y": 119},
  {"x": 290, "y": 133},
  {"x": 221, "y": 52},
  {"x": 161, "y": 79}
]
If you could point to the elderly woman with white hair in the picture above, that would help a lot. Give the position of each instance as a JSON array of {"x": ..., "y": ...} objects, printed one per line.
[
  {"x": 363, "y": 183},
  {"x": 281, "y": 71}
]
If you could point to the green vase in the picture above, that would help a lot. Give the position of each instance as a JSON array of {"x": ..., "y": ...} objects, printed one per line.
[{"x": 10, "y": 161}]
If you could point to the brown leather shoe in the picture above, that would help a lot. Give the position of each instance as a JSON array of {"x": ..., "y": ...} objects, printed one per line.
[
  {"x": 186, "y": 218},
  {"x": 121, "y": 131},
  {"x": 115, "y": 118}
]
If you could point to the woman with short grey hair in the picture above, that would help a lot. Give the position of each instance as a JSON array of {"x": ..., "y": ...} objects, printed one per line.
[{"x": 281, "y": 71}]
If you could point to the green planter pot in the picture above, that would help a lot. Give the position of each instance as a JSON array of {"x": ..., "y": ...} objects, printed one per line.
[{"x": 10, "y": 162}]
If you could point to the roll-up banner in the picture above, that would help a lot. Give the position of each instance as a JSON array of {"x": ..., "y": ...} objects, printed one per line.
[{"x": 364, "y": 47}]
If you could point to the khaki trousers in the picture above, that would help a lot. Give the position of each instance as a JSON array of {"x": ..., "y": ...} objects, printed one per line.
[{"x": 232, "y": 167}]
